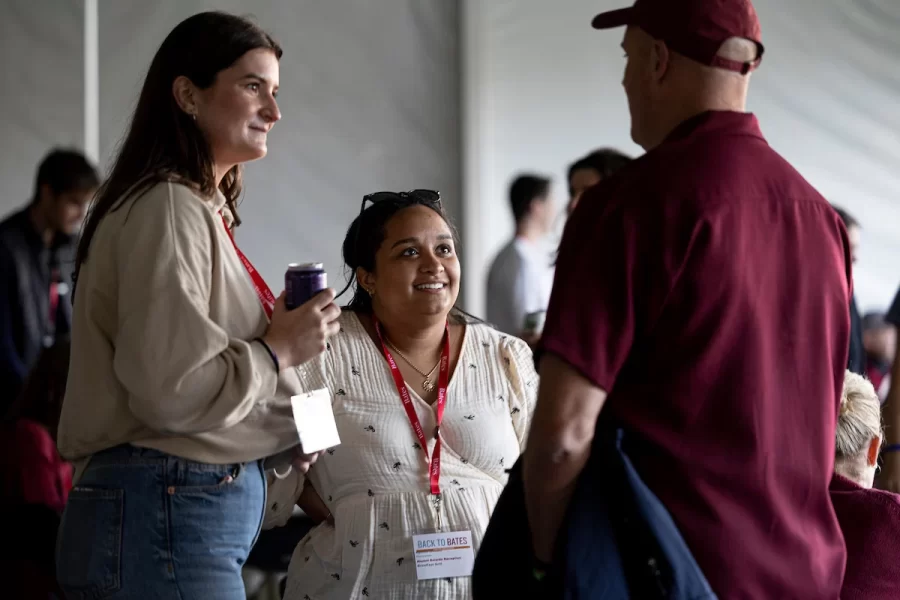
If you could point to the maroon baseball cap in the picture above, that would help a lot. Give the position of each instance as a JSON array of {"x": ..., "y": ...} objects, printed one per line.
[{"x": 694, "y": 28}]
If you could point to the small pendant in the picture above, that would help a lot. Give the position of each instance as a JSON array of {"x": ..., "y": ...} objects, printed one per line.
[{"x": 428, "y": 385}]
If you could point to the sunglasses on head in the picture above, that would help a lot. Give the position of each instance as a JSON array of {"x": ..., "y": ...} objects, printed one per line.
[
  {"x": 431, "y": 197},
  {"x": 428, "y": 196}
]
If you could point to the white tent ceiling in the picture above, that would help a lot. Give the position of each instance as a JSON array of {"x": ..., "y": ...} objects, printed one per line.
[{"x": 541, "y": 88}]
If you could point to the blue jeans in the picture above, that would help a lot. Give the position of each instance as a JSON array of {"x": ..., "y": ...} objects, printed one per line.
[{"x": 146, "y": 525}]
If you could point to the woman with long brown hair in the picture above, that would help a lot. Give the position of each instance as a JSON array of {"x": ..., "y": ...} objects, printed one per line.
[{"x": 182, "y": 359}]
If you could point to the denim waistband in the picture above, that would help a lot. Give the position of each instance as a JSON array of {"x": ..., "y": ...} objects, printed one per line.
[{"x": 125, "y": 454}]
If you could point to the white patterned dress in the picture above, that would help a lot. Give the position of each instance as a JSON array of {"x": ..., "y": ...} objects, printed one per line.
[{"x": 376, "y": 484}]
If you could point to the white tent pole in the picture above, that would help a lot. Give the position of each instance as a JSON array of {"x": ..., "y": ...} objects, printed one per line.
[{"x": 91, "y": 81}]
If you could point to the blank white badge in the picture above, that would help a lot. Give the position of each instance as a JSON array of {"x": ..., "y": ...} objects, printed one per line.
[{"x": 315, "y": 421}]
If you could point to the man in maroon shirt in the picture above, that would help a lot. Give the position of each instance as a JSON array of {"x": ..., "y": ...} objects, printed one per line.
[{"x": 701, "y": 301}]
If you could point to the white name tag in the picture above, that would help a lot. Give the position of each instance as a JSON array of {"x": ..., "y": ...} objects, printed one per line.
[
  {"x": 440, "y": 555},
  {"x": 315, "y": 421}
]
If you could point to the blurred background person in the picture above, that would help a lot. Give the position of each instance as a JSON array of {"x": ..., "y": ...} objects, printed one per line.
[
  {"x": 521, "y": 275},
  {"x": 37, "y": 255},
  {"x": 372, "y": 493},
  {"x": 890, "y": 453},
  {"x": 880, "y": 344},
  {"x": 590, "y": 170},
  {"x": 856, "y": 359},
  {"x": 182, "y": 359},
  {"x": 34, "y": 479},
  {"x": 869, "y": 519}
]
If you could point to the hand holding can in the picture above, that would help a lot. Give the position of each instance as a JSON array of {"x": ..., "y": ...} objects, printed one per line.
[{"x": 305, "y": 316}]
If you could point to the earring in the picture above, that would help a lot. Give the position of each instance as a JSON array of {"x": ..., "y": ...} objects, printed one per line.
[{"x": 371, "y": 293}]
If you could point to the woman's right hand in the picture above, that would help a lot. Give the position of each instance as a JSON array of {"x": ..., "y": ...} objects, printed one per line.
[
  {"x": 299, "y": 335},
  {"x": 311, "y": 503},
  {"x": 302, "y": 462}
]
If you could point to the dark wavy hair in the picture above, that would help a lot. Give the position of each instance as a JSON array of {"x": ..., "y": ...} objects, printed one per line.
[
  {"x": 604, "y": 161},
  {"x": 367, "y": 232},
  {"x": 163, "y": 143}
]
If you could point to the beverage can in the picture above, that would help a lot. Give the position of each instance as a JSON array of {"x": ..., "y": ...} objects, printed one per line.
[{"x": 302, "y": 281}]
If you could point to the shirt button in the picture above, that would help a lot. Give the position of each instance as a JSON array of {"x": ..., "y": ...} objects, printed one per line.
[{"x": 171, "y": 490}]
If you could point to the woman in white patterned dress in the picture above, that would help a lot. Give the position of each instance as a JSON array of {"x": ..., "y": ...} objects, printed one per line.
[{"x": 373, "y": 492}]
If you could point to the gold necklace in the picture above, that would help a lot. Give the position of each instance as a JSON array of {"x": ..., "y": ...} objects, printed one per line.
[{"x": 427, "y": 384}]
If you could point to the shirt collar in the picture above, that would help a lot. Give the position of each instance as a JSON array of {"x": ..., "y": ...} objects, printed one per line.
[
  {"x": 218, "y": 200},
  {"x": 717, "y": 122},
  {"x": 839, "y": 483}
]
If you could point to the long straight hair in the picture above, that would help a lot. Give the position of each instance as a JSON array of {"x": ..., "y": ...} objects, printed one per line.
[{"x": 163, "y": 143}]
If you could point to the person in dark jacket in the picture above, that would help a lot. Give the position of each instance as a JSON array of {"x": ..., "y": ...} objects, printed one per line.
[{"x": 36, "y": 264}]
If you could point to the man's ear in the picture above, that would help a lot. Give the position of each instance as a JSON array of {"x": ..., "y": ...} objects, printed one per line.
[
  {"x": 660, "y": 59},
  {"x": 872, "y": 455}
]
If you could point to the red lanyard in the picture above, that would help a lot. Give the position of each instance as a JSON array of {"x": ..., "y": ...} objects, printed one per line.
[
  {"x": 434, "y": 472},
  {"x": 54, "y": 299},
  {"x": 266, "y": 298}
]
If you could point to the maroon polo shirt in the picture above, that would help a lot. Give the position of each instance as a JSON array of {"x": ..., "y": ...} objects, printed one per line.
[
  {"x": 870, "y": 520},
  {"x": 705, "y": 288}
]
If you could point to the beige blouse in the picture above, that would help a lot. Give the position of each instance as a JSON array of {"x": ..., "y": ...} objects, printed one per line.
[
  {"x": 162, "y": 325},
  {"x": 375, "y": 483}
]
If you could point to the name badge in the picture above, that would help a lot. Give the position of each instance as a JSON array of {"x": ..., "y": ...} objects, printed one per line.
[
  {"x": 315, "y": 422},
  {"x": 442, "y": 555}
]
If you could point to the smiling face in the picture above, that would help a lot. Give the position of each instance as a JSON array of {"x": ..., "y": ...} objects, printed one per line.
[
  {"x": 416, "y": 268},
  {"x": 237, "y": 111}
]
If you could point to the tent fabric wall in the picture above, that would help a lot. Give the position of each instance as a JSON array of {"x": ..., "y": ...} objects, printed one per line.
[
  {"x": 402, "y": 93},
  {"x": 369, "y": 96},
  {"x": 370, "y": 101},
  {"x": 542, "y": 88},
  {"x": 42, "y": 98}
]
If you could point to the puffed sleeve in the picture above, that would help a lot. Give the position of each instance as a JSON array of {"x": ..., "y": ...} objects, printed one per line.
[{"x": 519, "y": 364}]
